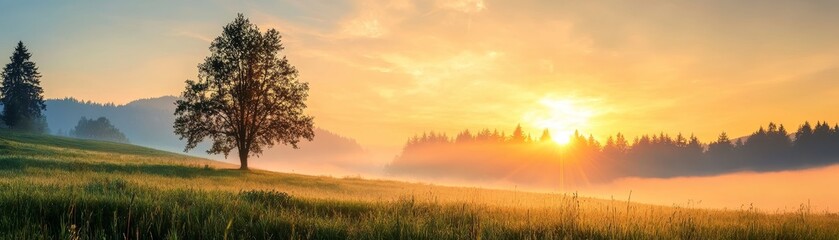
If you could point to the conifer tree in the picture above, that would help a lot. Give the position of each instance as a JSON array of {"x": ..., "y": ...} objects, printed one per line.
[{"x": 21, "y": 93}]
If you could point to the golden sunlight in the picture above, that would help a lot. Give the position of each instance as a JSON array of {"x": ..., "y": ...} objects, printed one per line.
[{"x": 561, "y": 116}]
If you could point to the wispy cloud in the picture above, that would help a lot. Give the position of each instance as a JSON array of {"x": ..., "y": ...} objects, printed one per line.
[
  {"x": 375, "y": 19},
  {"x": 194, "y": 35},
  {"x": 465, "y": 6}
]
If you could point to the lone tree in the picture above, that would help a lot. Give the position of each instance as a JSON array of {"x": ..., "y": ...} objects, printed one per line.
[
  {"x": 21, "y": 93},
  {"x": 246, "y": 97}
]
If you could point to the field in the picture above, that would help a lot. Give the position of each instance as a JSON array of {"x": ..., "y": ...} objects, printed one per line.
[{"x": 63, "y": 188}]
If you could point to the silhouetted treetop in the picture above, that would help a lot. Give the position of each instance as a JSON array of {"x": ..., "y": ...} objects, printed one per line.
[
  {"x": 546, "y": 136},
  {"x": 518, "y": 135}
]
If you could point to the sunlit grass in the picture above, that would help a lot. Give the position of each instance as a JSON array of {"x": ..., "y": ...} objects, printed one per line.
[{"x": 53, "y": 187}]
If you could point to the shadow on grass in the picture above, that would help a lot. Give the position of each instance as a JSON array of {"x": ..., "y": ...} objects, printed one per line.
[{"x": 19, "y": 164}]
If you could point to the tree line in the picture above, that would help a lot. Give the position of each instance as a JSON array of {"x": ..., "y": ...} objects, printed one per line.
[{"x": 491, "y": 154}]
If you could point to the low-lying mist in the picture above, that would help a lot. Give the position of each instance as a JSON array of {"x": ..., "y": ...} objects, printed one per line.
[
  {"x": 784, "y": 191},
  {"x": 490, "y": 159},
  {"x": 771, "y": 168}
]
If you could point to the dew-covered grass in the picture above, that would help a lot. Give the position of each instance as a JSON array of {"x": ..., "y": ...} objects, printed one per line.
[{"x": 64, "y": 188}]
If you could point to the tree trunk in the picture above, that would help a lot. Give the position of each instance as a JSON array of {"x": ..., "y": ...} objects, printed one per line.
[{"x": 243, "y": 159}]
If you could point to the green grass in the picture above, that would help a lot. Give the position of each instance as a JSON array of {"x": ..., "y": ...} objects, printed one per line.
[{"x": 63, "y": 188}]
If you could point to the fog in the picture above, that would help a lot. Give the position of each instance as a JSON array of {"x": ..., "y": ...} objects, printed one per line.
[
  {"x": 784, "y": 191},
  {"x": 513, "y": 168},
  {"x": 771, "y": 192}
]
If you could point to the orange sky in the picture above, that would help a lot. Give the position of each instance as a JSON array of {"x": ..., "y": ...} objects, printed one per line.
[{"x": 381, "y": 72}]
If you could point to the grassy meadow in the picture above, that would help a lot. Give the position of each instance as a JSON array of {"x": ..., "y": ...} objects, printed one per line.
[{"x": 63, "y": 188}]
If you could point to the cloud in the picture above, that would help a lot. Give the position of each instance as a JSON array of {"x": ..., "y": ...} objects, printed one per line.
[
  {"x": 465, "y": 6},
  {"x": 374, "y": 19},
  {"x": 194, "y": 35},
  {"x": 369, "y": 27},
  {"x": 429, "y": 71}
]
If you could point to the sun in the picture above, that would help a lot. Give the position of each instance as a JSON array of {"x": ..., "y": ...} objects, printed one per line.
[{"x": 561, "y": 117}]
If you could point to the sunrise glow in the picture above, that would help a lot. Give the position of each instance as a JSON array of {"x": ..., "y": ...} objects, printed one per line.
[
  {"x": 419, "y": 119},
  {"x": 561, "y": 116}
]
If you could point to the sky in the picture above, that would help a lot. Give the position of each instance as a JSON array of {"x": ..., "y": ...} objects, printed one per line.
[{"x": 382, "y": 71}]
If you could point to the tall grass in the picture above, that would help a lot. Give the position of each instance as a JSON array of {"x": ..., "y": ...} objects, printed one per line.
[{"x": 59, "y": 188}]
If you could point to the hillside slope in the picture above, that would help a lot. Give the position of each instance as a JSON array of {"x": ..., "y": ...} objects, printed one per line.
[
  {"x": 55, "y": 187},
  {"x": 148, "y": 122}
]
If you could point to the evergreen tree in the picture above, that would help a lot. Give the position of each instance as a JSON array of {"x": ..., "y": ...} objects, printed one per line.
[
  {"x": 620, "y": 143},
  {"x": 518, "y": 135},
  {"x": 681, "y": 141},
  {"x": 546, "y": 136},
  {"x": 722, "y": 147},
  {"x": 21, "y": 93},
  {"x": 578, "y": 140},
  {"x": 464, "y": 137},
  {"x": 723, "y": 138},
  {"x": 804, "y": 132},
  {"x": 694, "y": 146},
  {"x": 610, "y": 142},
  {"x": 593, "y": 145}
]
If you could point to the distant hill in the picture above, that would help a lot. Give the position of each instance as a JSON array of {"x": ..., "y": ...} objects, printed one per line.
[{"x": 148, "y": 122}]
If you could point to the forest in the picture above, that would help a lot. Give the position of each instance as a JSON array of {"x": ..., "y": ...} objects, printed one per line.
[{"x": 521, "y": 157}]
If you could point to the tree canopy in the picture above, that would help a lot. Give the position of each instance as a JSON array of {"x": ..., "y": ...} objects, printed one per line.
[
  {"x": 98, "y": 129},
  {"x": 246, "y": 97},
  {"x": 21, "y": 94}
]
